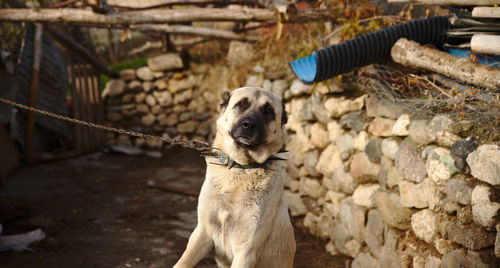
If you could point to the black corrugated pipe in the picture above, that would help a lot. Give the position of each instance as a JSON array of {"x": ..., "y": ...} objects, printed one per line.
[{"x": 369, "y": 48}]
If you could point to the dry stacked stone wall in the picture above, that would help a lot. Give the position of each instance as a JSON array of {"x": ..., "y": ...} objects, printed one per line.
[
  {"x": 162, "y": 98},
  {"x": 379, "y": 185}
]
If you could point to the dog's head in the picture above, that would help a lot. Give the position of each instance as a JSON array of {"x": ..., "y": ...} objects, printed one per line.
[{"x": 251, "y": 125}]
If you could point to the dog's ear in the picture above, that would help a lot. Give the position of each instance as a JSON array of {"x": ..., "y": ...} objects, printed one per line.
[
  {"x": 284, "y": 117},
  {"x": 226, "y": 95}
]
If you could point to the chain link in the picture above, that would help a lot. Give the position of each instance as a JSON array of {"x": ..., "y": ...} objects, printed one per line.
[{"x": 192, "y": 144}]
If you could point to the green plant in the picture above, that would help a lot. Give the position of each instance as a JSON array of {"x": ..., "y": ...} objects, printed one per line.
[{"x": 130, "y": 64}]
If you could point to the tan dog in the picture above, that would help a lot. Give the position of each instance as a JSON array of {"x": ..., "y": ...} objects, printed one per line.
[{"x": 241, "y": 209}]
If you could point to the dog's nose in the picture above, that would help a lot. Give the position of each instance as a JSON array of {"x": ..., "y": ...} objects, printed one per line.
[{"x": 247, "y": 123}]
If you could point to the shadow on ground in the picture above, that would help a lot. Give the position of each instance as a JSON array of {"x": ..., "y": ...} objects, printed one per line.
[{"x": 98, "y": 211}]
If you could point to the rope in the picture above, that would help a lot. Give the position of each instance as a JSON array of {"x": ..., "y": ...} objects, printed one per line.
[{"x": 192, "y": 144}]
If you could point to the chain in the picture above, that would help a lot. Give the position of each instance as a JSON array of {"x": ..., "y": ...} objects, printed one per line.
[{"x": 192, "y": 144}]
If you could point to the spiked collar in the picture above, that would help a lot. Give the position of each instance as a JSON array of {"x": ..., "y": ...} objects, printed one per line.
[{"x": 227, "y": 161}]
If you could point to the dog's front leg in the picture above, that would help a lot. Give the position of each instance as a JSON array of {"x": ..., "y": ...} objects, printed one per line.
[
  {"x": 198, "y": 246},
  {"x": 244, "y": 259}
]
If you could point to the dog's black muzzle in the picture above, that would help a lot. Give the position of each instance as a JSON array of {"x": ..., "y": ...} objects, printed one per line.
[{"x": 248, "y": 132}]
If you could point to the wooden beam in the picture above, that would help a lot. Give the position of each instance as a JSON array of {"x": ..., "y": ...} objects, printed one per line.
[
  {"x": 84, "y": 16},
  {"x": 410, "y": 53},
  {"x": 191, "y": 30}
]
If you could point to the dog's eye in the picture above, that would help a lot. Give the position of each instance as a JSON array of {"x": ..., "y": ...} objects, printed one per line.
[
  {"x": 268, "y": 110},
  {"x": 242, "y": 104}
]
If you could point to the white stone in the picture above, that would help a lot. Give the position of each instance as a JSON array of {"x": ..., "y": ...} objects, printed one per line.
[
  {"x": 389, "y": 147},
  {"x": 187, "y": 127},
  {"x": 361, "y": 166},
  {"x": 330, "y": 248},
  {"x": 484, "y": 163},
  {"x": 361, "y": 141},
  {"x": 148, "y": 119},
  {"x": 393, "y": 177},
  {"x": 364, "y": 195},
  {"x": 342, "y": 180},
  {"x": 311, "y": 187},
  {"x": 365, "y": 260},
  {"x": 440, "y": 165},
  {"x": 278, "y": 87},
  {"x": 483, "y": 210},
  {"x": 142, "y": 108},
  {"x": 412, "y": 195},
  {"x": 432, "y": 262},
  {"x": 401, "y": 126},
  {"x": 334, "y": 198},
  {"x": 420, "y": 132},
  {"x": 423, "y": 224},
  {"x": 418, "y": 262},
  {"x": 329, "y": 160},
  {"x": 144, "y": 73},
  {"x": 334, "y": 130},
  {"x": 165, "y": 62},
  {"x": 295, "y": 204},
  {"x": 134, "y": 85},
  {"x": 177, "y": 85},
  {"x": 298, "y": 88},
  {"x": 352, "y": 248},
  {"x": 164, "y": 98},
  {"x": 319, "y": 135},
  {"x": 345, "y": 144},
  {"x": 381, "y": 127},
  {"x": 114, "y": 87},
  {"x": 336, "y": 107},
  {"x": 127, "y": 74},
  {"x": 183, "y": 96},
  {"x": 352, "y": 217},
  {"x": 150, "y": 100}
]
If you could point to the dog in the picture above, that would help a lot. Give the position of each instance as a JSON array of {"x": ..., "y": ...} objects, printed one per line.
[{"x": 242, "y": 212}]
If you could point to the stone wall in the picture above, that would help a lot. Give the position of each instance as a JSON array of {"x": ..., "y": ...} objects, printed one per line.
[
  {"x": 380, "y": 186},
  {"x": 387, "y": 189},
  {"x": 162, "y": 98}
]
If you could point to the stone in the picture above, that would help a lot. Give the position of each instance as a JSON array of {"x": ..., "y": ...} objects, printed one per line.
[
  {"x": 310, "y": 160},
  {"x": 148, "y": 119},
  {"x": 142, "y": 108},
  {"x": 364, "y": 260},
  {"x": 319, "y": 135},
  {"x": 183, "y": 96},
  {"x": 453, "y": 259},
  {"x": 470, "y": 236},
  {"x": 170, "y": 120},
  {"x": 330, "y": 248},
  {"x": 424, "y": 226},
  {"x": 381, "y": 127},
  {"x": 296, "y": 109},
  {"x": 376, "y": 107},
  {"x": 484, "y": 211},
  {"x": 318, "y": 108},
  {"x": 127, "y": 74},
  {"x": 484, "y": 163},
  {"x": 420, "y": 132},
  {"x": 391, "y": 210},
  {"x": 135, "y": 85},
  {"x": 123, "y": 140},
  {"x": 126, "y": 98},
  {"x": 298, "y": 88},
  {"x": 164, "y": 98},
  {"x": 361, "y": 141},
  {"x": 334, "y": 130},
  {"x": 458, "y": 190},
  {"x": 393, "y": 177},
  {"x": 374, "y": 232},
  {"x": 352, "y": 248},
  {"x": 431, "y": 193},
  {"x": 144, "y": 73},
  {"x": 364, "y": 195},
  {"x": 239, "y": 53},
  {"x": 147, "y": 86},
  {"x": 440, "y": 165},
  {"x": 356, "y": 121},
  {"x": 267, "y": 85},
  {"x": 336, "y": 107},
  {"x": 497, "y": 242},
  {"x": 345, "y": 145},
  {"x": 442, "y": 127},
  {"x": 165, "y": 62},
  {"x": 461, "y": 149},
  {"x": 443, "y": 246},
  {"x": 139, "y": 98},
  {"x": 154, "y": 144},
  {"x": 185, "y": 116},
  {"x": 427, "y": 150},
  {"x": 204, "y": 128},
  {"x": 278, "y": 87},
  {"x": 418, "y": 262},
  {"x": 401, "y": 126},
  {"x": 464, "y": 214},
  {"x": 412, "y": 195},
  {"x": 187, "y": 127},
  {"x": 114, "y": 87},
  {"x": 373, "y": 150},
  {"x": 432, "y": 262},
  {"x": 389, "y": 147},
  {"x": 352, "y": 217},
  {"x": 362, "y": 169},
  {"x": 150, "y": 100},
  {"x": 158, "y": 75},
  {"x": 254, "y": 80},
  {"x": 342, "y": 180},
  {"x": 311, "y": 187},
  {"x": 329, "y": 160},
  {"x": 408, "y": 162},
  {"x": 161, "y": 84},
  {"x": 177, "y": 85},
  {"x": 334, "y": 198},
  {"x": 389, "y": 257},
  {"x": 295, "y": 204}
]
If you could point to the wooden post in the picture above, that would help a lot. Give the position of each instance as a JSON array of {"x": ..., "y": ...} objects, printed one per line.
[{"x": 30, "y": 121}]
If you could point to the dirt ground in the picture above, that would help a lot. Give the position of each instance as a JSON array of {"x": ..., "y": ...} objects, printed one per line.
[{"x": 98, "y": 211}]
